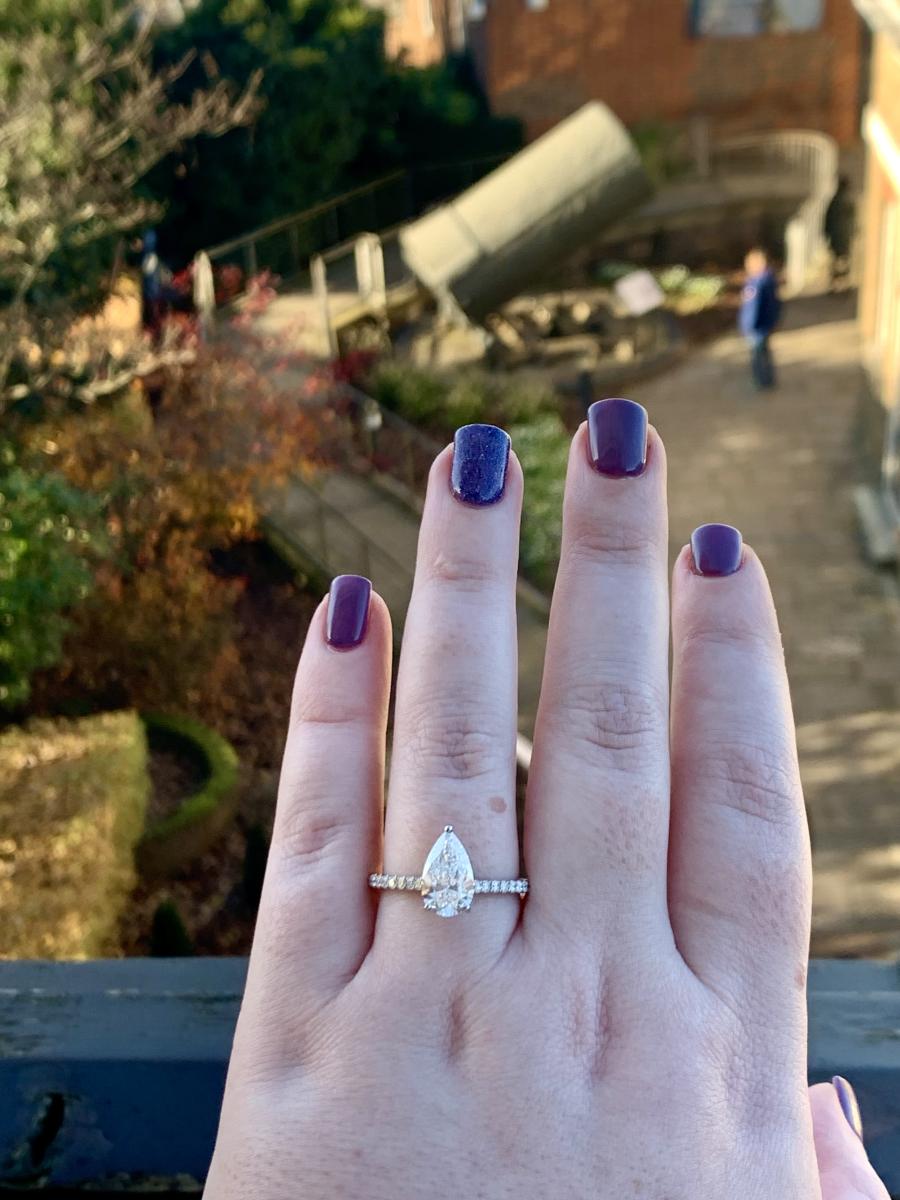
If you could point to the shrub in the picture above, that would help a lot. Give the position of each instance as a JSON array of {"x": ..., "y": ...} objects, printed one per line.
[
  {"x": 177, "y": 839},
  {"x": 72, "y": 800},
  {"x": 441, "y": 403},
  {"x": 416, "y": 395},
  {"x": 172, "y": 486},
  {"x": 46, "y": 530}
]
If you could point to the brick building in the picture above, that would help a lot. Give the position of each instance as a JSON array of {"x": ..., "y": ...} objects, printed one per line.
[
  {"x": 879, "y": 301},
  {"x": 743, "y": 65}
]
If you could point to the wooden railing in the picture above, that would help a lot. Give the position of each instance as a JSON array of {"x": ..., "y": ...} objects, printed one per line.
[{"x": 111, "y": 1073}]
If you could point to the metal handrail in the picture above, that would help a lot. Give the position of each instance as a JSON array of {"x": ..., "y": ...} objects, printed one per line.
[
  {"x": 370, "y": 547},
  {"x": 815, "y": 156},
  {"x": 280, "y": 224},
  {"x": 416, "y": 450},
  {"x": 292, "y": 223}
]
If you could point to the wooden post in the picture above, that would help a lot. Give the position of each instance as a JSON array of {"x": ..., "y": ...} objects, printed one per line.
[
  {"x": 318, "y": 277},
  {"x": 362, "y": 261},
  {"x": 376, "y": 268},
  {"x": 204, "y": 294}
]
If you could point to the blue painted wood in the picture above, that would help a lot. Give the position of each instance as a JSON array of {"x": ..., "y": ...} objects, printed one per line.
[
  {"x": 111, "y": 1073},
  {"x": 136, "y": 1052}
]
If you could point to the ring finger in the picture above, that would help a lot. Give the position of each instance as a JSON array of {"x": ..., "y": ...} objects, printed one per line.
[{"x": 453, "y": 757}]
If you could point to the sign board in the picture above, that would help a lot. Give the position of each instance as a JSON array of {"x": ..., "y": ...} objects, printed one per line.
[{"x": 639, "y": 292}]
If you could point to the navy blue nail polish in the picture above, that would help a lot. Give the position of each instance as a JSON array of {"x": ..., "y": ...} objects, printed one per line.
[
  {"x": 849, "y": 1104},
  {"x": 348, "y": 611},
  {"x": 716, "y": 550},
  {"x": 480, "y": 458},
  {"x": 617, "y": 437}
]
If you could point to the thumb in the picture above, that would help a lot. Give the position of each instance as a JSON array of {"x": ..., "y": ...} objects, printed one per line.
[{"x": 845, "y": 1172}]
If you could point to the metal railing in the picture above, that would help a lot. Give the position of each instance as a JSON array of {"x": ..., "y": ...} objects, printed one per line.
[
  {"x": 286, "y": 245},
  {"x": 324, "y": 239},
  {"x": 391, "y": 446},
  {"x": 331, "y": 541},
  {"x": 807, "y": 155}
]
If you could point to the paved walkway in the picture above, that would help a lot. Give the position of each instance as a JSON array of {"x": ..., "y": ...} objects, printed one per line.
[{"x": 781, "y": 467}]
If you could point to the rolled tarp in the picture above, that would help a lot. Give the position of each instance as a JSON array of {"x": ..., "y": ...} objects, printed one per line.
[{"x": 531, "y": 213}]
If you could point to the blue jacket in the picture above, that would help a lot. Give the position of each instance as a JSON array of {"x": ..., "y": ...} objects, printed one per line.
[{"x": 760, "y": 306}]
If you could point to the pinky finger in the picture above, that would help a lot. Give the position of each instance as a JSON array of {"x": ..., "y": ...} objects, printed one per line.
[
  {"x": 316, "y": 915},
  {"x": 845, "y": 1172}
]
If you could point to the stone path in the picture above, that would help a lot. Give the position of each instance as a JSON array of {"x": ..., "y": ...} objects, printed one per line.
[{"x": 781, "y": 467}]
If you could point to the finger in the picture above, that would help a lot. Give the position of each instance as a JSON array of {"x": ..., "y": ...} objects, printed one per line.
[
  {"x": 597, "y": 809},
  {"x": 845, "y": 1172},
  {"x": 739, "y": 868},
  {"x": 453, "y": 759},
  {"x": 316, "y": 915}
]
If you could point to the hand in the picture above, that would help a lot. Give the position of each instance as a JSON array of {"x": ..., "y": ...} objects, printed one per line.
[{"x": 636, "y": 1027}]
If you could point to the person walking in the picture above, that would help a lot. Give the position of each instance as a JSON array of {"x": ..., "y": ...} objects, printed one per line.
[
  {"x": 840, "y": 224},
  {"x": 759, "y": 313}
]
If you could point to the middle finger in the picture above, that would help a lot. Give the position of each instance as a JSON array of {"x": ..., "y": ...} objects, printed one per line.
[{"x": 596, "y": 824}]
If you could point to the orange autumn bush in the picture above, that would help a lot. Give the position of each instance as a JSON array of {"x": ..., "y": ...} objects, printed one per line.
[{"x": 178, "y": 480}]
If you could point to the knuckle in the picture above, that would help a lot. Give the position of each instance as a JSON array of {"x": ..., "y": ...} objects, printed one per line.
[
  {"x": 626, "y": 541},
  {"x": 606, "y": 723},
  {"x": 761, "y": 791},
  {"x": 452, "y": 742},
  {"x": 310, "y": 835},
  {"x": 728, "y": 631},
  {"x": 315, "y": 709},
  {"x": 463, "y": 573},
  {"x": 758, "y": 783}
]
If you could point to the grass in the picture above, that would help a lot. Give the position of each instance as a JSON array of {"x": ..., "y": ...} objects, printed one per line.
[{"x": 73, "y": 796}]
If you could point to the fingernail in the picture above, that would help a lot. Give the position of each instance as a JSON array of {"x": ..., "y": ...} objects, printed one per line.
[
  {"x": 348, "y": 611},
  {"x": 480, "y": 458},
  {"x": 617, "y": 435},
  {"x": 716, "y": 549},
  {"x": 849, "y": 1104}
]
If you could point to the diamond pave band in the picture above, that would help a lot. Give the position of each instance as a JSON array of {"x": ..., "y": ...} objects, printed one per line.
[{"x": 447, "y": 883}]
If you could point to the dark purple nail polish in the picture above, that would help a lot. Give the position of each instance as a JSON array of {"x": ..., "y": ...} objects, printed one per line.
[
  {"x": 480, "y": 458},
  {"x": 849, "y": 1104},
  {"x": 348, "y": 611},
  {"x": 716, "y": 549},
  {"x": 617, "y": 433}
]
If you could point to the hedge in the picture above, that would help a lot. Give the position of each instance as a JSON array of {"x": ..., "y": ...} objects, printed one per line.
[
  {"x": 73, "y": 797},
  {"x": 170, "y": 844}
]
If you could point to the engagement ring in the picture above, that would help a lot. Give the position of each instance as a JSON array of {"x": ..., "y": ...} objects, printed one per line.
[{"x": 447, "y": 883}]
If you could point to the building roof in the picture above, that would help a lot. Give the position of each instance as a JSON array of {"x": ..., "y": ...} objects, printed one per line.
[{"x": 882, "y": 16}]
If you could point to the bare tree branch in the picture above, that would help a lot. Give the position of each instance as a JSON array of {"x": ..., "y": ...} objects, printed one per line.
[{"x": 80, "y": 124}]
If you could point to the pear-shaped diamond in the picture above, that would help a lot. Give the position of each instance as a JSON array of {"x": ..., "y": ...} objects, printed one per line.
[{"x": 447, "y": 876}]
